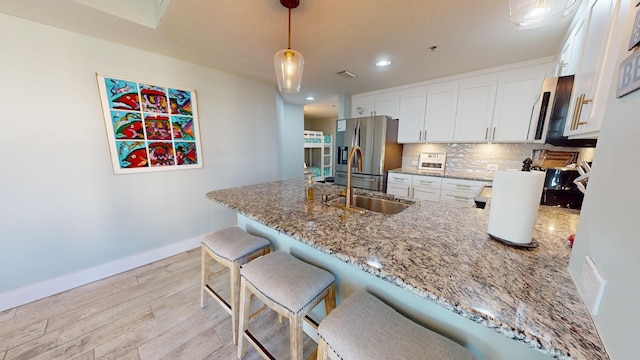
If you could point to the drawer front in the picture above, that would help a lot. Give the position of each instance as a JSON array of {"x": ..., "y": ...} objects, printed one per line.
[
  {"x": 468, "y": 186},
  {"x": 432, "y": 182},
  {"x": 425, "y": 193},
  {"x": 463, "y": 198},
  {"x": 393, "y": 178},
  {"x": 398, "y": 189}
]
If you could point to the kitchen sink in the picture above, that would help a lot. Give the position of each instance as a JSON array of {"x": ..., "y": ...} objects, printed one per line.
[{"x": 362, "y": 203}]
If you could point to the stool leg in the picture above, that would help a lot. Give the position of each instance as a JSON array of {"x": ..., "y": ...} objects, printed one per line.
[
  {"x": 204, "y": 272},
  {"x": 330, "y": 299},
  {"x": 322, "y": 349},
  {"x": 245, "y": 302},
  {"x": 235, "y": 298},
  {"x": 295, "y": 337}
]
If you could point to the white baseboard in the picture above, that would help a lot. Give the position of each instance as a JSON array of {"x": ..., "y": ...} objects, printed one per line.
[{"x": 57, "y": 285}]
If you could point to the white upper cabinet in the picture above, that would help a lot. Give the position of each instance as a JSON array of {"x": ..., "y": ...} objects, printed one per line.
[
  {"x": 517, "y": 95},
  {"x": 440, "y": 117},
  {"x": 379, "y": 104},
  {"x": 428, "y": 113},
  {"x": 476, "y": 99},
  {"x": 411, "y": 121},
  {"x": 594, "y": 38}
]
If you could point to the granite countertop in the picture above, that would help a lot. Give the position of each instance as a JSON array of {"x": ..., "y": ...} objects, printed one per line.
[
  {"x": 446, "y": 174},
  {"x": 441, "y": 252}
]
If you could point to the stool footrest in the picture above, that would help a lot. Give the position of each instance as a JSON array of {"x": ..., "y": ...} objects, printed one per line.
[
  {"x": 217, "y": 296},
  {"x": 259, "y": 348}
]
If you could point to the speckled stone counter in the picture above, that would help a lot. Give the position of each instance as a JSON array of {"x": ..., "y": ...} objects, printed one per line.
[{"x": 442, "y": 253}]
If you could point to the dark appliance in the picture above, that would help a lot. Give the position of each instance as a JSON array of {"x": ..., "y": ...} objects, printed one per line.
[
  {"x": 552, "y": 111},
  {"x": 559, "y": 189},
  {"x": 377, "y": 137}
]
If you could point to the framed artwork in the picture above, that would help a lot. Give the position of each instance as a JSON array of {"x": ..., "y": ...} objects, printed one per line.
[
  {"x": 628, "y": 81},
  {"x": 150, "y": 127},
  {"x": 634, "y": 39}
]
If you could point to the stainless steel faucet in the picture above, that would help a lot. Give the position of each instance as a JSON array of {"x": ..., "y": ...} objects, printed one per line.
[{"x": 355, "y": 151}]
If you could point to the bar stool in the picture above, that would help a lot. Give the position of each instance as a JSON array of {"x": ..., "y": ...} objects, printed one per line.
[
  {"x": 232, "y": 248},
  {"x": 363, "y": 327},
  {"x": 290, "y": 287}
]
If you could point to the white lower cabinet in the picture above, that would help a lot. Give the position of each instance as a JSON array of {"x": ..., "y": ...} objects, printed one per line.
[
  {"x": 434, "y": 188},
  {"x": 459, "y": 191},
  {"x": 399, "y": 184},
  {"x": 426, "y": 187}
]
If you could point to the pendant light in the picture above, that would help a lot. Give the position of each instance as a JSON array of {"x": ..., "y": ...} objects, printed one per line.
[
  {"x": 529, "y": 14},
  {"x": 289, "y": 63}
]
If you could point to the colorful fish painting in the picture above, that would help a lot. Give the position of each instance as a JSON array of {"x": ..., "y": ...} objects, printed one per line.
[
  {"x": 161, "y": 153},
  {"x": 132, "y": 154},
  {"x": 186, "y": 153},
  {"x": 182, "y": 128},
  {"x": 180, "y": 102},
  {"x": 122, "y": 94},
  {"x": 127, "y": 125},
  {"x": 157, "y": 127},
  {"x": 154, "y": 99}
]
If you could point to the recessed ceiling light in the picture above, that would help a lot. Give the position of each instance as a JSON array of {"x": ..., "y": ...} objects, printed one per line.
[
  {"x": 383, "y": 63},
  {"x": 310, "y": 98}
]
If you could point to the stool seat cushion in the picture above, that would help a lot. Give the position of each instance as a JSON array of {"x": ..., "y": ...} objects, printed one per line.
[
  {"x": 233, "y": 243},
  {"x": 287, "y": 281},
  {"x": 363, "y": 327}
]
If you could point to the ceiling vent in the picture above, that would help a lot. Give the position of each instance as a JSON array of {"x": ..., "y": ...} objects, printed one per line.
[{"x": 346, "y": 74}]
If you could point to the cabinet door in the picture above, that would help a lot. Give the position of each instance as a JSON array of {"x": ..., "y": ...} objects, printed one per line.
[
  {"x": 516, "y": 98},
  {"x": 440, "y": 118},
  {"x": 476, "y": 99},
  {"x": 411, "y": 120},
  {"x": 399, "y": 184},
  {"x": 387, "y": 104},
  {"x": 596, "y": 68},
  {"x": 362, "y": 106}
]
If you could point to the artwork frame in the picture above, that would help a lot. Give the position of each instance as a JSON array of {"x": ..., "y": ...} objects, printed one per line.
[
  {"x": 150, "y": 127},
  {"x": 627, "y": 82},
  {"x": 634, "y": 39}
]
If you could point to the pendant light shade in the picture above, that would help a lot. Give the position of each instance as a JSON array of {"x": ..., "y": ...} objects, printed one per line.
[
  {"x": 289, "y": 63},
  {"x": 529, "y": 14}
]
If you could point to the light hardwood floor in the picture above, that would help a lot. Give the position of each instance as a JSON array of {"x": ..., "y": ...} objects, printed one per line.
[{"x": 151, "y": 312}]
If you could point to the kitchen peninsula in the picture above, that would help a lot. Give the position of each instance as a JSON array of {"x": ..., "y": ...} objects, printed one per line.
[{"x": 435, "y": 263}]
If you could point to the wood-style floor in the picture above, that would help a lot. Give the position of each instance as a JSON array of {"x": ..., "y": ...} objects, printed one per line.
[{"x": 151, "y": 312}]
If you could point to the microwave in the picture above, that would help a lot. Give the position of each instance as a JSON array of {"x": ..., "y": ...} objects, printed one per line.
[{"x": 551, "y": 114}]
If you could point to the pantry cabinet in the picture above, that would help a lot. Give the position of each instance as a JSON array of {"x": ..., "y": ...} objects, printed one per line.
[{"x": 593, "y": 38}]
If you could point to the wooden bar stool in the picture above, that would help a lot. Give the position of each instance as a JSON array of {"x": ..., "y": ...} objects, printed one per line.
[
  {"x": 290, "y": 287},
  {"x": 231, "y": 247},
  {"x": 363, "y": 327}
]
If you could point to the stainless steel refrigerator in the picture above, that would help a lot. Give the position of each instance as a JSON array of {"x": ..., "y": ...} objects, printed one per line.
[{"x": 377, "y": 137}]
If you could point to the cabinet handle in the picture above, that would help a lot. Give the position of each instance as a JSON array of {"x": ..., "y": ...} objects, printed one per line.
[
  {"x": 577, "y": 113},
  {"x": 486, "y": 133},
  {"x": 399, "y": 179},
  {"x": 463, "y": 186},
  {"x": 420, "y": 136},
  {"x": 493, "y": 137},
  {"x": 411, "y": 191},
  {"x": 425, "y": 135}
]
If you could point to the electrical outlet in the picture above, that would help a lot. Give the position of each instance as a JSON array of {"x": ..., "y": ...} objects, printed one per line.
[
  {"x": 492, "y": 167},
  {"x": 591, "y": 285}
]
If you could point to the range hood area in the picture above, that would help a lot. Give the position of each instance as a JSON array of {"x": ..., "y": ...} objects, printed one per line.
[{"x": 553, "y": 109}]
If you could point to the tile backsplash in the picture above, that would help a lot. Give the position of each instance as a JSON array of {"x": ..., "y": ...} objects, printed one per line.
[{"x": 472, "y": 159}]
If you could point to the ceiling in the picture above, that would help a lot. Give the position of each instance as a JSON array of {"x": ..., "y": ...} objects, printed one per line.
[{"x": 241, "y": 37}]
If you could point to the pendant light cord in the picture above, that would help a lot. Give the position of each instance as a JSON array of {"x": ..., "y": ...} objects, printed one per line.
[{"x": 289, "y": 43}]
